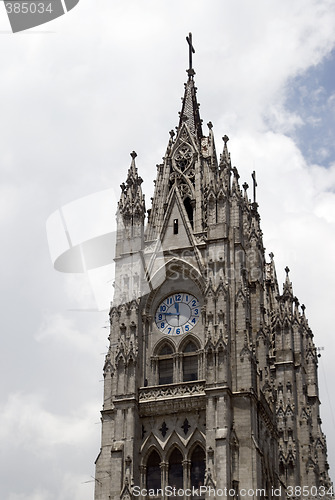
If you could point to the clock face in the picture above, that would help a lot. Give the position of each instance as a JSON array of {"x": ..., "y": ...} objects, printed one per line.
[{"x": 177, "y": 314}]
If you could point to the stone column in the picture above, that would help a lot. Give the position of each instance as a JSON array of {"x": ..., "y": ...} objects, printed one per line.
[
  {"x": 143, "y": 475},
  {"x": 164, "y": 476},
  {"x": 187, "y": 474}
]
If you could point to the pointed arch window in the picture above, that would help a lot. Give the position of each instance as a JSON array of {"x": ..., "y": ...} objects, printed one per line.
[
  {"x": 198, "y": 467},
  {"x": 153, "y": 477},
  {"x": 165, "y": 365},
  {"x": 190, "y": 362},
  {"x": 176, "y": 473},
  {"x": 189, "y": 209}
]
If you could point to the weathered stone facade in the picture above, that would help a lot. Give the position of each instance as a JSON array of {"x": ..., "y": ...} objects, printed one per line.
[{"x": 231, "y": 400}]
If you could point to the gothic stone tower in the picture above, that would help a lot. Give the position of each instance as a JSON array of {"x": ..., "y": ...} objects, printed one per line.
[{"x": 211, "y": 374}]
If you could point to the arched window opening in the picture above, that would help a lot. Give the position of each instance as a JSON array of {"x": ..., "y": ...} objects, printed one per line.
[
  {"x": 153, "y": 471},
  {"x": 189, "y": 209},
  {"x": 165, "y": 365},
  {"x": 176, "y": 477},
  {"x": 198, "y": 466},
  {"x": 166, "y": 349},
  {"x": 190, "y": 362},
  {"x": 190, "y": 347}
]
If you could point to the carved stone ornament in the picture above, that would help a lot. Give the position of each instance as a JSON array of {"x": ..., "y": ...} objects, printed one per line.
[{"x": 176, "y": 390}]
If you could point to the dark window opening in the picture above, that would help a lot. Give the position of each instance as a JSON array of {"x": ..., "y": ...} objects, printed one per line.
[
  {"x": 189, "y": 209},
  {"x": 190, "y": 368},
  {"x": 175, "y": 226},
  {"x": 190, "y": 362},
  {"x": 166, "y": 349},
  {"x": 198, "y": 466},
  {"x": 176, "y": 469},
  {"x": 191, "y": 347},
  {"x": 153, "y": 471},
  {"x": 165, "y": 369}
]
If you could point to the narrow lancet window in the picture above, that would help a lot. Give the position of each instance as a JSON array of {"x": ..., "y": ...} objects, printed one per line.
[
  {"x": 189, "y": 209},
  {"x": 176, "y": 469},
  {"x": 198, "y": 466},
  {"x": 165, "y": 366},
  {"x": 153, "y": 472},
  {"x": 190, "y": 363}
]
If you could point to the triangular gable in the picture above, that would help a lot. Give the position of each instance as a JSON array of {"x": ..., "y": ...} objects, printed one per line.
[
  {"x": 168, "y": 240},
  {"x": 176, "y": 210},
  {"x": 184, "y": 136}
]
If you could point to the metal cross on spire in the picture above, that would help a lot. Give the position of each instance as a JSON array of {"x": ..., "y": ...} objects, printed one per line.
[
  {"x": 253, "y": 175},
  {"x": 191, "y": 51}
]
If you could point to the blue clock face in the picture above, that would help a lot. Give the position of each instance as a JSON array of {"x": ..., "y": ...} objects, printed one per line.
[{"x": 177, "y": 314}]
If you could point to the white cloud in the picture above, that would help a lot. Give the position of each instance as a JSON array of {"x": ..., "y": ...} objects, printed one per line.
[
  {"x": 331, "y": 102},
  {"x": 76, "y": 487},
  {"x": 57, "y": 328},
  {"x": 39, "y": 430},
  {"x": 37, "y": 494},
  {"x": 50, "y": 446},
  {"x": 74, "y": 103}
]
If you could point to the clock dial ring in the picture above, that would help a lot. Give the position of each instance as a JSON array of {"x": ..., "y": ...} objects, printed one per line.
[{"x": 177, "y": 314}]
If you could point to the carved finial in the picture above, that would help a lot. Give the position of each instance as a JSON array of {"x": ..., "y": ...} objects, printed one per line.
[
  {"x": 210, "y": 125},
  {"x": 271, "y": 255},
  {"x": 287, "y": 271},
  {"x": 303, "y": 307},
  {"x": 172, "y": 133},
  {"x": 225, "y": 139},
  {"x": 245, "y": 186},
  {"x": 133, "y": 154}
]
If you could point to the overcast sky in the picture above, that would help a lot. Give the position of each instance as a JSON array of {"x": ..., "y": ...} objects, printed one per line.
[{"x": 77, "y": 95}]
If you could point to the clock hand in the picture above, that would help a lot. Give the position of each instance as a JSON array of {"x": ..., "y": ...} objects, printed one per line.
[
  {"x": 177, "y": 307},
  {"x": 171, "y": 314}
]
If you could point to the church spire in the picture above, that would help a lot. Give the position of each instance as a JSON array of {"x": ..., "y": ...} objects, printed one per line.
[
  {"x": 129, "y": 236},
  {"x": 131, "y": 204},
  {"x": 190, "y": 107}
]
